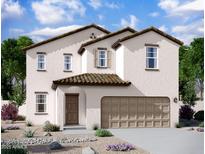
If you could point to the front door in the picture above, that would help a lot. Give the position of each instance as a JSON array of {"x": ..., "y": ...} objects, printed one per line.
[{"x": 71, "y": 111}]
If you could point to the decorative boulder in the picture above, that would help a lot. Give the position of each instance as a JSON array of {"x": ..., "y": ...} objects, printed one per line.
[
  {"x": 55, "y": 146},
  {"x": 200, "y": 129},
  {"x": 47, "y": 134},
  {"x": 88, "y": 150}
]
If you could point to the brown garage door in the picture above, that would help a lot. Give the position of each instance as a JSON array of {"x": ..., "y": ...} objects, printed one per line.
[{"x": 131, "y": 112}]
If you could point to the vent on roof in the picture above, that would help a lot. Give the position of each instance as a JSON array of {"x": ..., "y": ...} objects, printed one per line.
[{"x": 92, "y": 36}]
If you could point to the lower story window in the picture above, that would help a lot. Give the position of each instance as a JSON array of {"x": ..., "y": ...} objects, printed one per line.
[{"x": 41, "y": 103}]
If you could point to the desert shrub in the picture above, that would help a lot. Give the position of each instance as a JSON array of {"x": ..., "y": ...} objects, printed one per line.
[
  {"x": 201, "y": 124},
  {"x": 29, "y": 123},
  {"x": 12, "y": 127},
  {"x": 13, "y": 148},
  {"x": 14, "y": 151},
  {"x": 48, "y": 127},
  {"x": 29, "y": 133},
  {"x": 20, "y": 118},
  {"x": 103, "y": 133},
  {"x": 9, "y": 112},
  {"x": 199, "y": 116},
  {"x": 119, "y": 147},
  {"x": 95, "y": 127},
  {"x": 2, "y": 130},
  {"x": 186, "y": 112}
]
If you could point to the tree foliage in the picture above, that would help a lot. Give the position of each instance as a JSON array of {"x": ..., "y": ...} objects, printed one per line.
[
  {"x": 13, "y": 65},
  {"x": 191, "y": 71}
]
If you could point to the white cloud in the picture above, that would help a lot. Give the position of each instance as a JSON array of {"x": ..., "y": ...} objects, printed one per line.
[
  {"x": 44, "y": 33},
  {"x": 132, "y": 23},
  {"x": 154, "y": 14},
  {"x": 95, "y": 3},
  {"x": 112, "y": 5},
  {"x": 181, "y": 8},
  {"x": 98, "y": 3},
  {"x": 57, "y": 11},
  {"x": 100, "y": 17},
  {"x": 163, "y": 28},
  {"x": 189, "y": 31},
  {"x": 11, "y": 9}
]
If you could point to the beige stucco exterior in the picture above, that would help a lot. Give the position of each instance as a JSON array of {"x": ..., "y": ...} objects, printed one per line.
[
  {"x": 128, "y": 61},
  {"x": 37, "y": 81}
]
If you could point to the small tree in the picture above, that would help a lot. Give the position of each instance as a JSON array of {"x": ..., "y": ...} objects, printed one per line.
[
  {"x": 9, "y": 112},
  {"x": 18, "y": 96}
]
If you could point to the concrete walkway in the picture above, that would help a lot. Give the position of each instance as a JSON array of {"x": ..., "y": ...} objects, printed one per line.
[
  {"x": 163, "y": 140},
  {"x": 79, "y": 131}
]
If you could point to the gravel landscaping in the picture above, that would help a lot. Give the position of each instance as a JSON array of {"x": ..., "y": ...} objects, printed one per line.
[{"x": 71, "y": 143}]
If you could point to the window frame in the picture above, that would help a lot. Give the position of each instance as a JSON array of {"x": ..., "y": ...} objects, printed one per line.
[
  {"x": 99, "y": 58},
  {"x": 71, "y": 63},
  {"x": 44, "y": 55},
  {"x": 45, "y": 102},
  {"x": 156, "y": 58}
]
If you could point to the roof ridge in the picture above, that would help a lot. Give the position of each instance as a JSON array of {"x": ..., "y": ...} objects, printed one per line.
[
  {"x": 67, "y": 34},
  {"x": 116, "y": 44},
  {"x": 105, "y": 37}
]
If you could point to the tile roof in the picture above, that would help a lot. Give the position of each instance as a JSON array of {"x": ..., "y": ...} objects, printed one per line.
[
  {"x": 67, "y": 34},
  {"x": 92, "y": 79},
  {"x": 117, "y": 43},
  {"x": 81, "y": 50}
]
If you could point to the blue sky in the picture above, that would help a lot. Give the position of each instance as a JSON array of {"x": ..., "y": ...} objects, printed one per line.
[{"x": 42, "y": 19}]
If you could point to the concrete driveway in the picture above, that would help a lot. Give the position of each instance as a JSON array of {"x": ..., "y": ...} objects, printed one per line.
[{"x": 163, "y": 140}]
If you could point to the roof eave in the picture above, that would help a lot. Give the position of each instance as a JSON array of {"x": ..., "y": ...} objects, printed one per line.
[{"x": 64, "y": 35}]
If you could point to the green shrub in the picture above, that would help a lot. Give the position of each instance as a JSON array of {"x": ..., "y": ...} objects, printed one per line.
[
  {"x": 14, "y": 151},
  {"x": 29, "y": 123},
  {"x": 199, "y": 116},
  {"x": 48, "y": 127},
  {"x": 13, "y": 148},
  {"x": 103, "y": 133},
  {"x": 2, "y": 130},
  {"x": 20, "y": 118},
  {"x": 178, "y": 125},
  {"x": 201, "y": 124},
  {"x": 29, "y": 133}
]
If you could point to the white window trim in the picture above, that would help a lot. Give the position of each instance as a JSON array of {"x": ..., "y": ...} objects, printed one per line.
[
  {"x": 46, "y": 103},
  {"x": 157, "y": 57},
  {"x": 39, "y": 69},
  {"x": 106, "y": 58},
  {"x": 71, "y": 63}
]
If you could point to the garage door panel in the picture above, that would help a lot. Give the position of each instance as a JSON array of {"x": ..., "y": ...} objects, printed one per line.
[{"x": 131, "y": 112}]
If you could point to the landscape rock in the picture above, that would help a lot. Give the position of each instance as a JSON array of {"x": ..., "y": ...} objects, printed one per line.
[
  {"x": 88, "y": 150},
  {"x": 200, "y": 129},
  {"x": 55, "y": 146}
]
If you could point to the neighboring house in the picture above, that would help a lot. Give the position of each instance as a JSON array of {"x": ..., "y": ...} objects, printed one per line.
[{"x": 90, "y": 76}]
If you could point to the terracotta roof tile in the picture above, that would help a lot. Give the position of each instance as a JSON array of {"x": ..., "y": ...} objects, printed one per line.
[{"x": 92, "y": 79}]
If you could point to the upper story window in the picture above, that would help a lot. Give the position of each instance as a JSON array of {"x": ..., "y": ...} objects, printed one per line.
[
  {"x": 151, "y": 58},
  {"x": 67, "y": 62},
  {"x": 41, "y": 102},
  {"x": 41, "y": 58},
  {"x": 102, "y": 58}
]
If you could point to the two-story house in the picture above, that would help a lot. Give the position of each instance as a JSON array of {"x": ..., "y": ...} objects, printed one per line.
[{"x": 91, "y": 76}]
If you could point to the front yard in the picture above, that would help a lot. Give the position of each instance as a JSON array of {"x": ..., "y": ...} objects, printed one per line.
[{"x": 71, "y": 143}]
